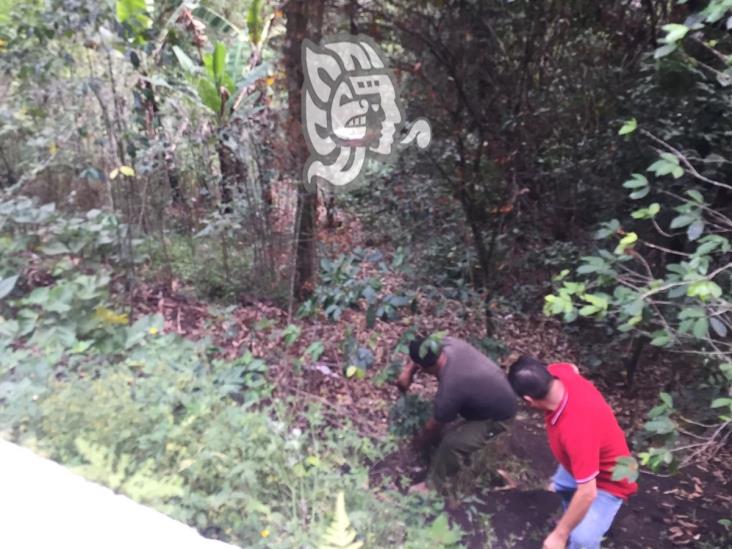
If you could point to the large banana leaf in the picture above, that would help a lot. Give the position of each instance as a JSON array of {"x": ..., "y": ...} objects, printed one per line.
[
  {"x": 255, "y": 21},
  {"x": 215, "y": 21},
  {"x": 218, "y": 66}
]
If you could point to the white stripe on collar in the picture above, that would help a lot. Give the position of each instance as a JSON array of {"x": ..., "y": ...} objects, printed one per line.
[{"x": 562, "y": 406}]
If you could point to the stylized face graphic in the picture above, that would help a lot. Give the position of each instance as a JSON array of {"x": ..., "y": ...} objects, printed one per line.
[
  {"x": 364, "y": 112},
  {"x": 351, "y": 109}
]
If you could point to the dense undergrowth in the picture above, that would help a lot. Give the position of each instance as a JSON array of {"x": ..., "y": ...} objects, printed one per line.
[{"x": 163, "y": 419}]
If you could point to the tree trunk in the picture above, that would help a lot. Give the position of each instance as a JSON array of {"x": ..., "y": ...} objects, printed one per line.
[
  {"x": 153, "y": 126},
  {"x": 227, "y": 164},
  {"x": 475, "y": 217},
  {"x": 631, "y": 362},
  {"x": 298, "y": 13}
]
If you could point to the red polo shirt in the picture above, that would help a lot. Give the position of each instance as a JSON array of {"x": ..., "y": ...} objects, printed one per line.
[{"x": 584, "y": 435}]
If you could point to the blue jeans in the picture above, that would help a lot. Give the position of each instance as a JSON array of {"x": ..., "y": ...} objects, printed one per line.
[{"x": 589, "y": 532}]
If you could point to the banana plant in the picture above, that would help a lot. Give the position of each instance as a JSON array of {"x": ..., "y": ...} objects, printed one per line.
[
  {"x": 223, "y": 82},
  {"x": 221, "y": 79}
]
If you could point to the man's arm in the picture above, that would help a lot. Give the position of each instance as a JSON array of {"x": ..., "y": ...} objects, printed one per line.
[
  {"x": 405, "y": 378},
  {"x": 428, "y": 435},
  {"x": 578, "y": 507}
]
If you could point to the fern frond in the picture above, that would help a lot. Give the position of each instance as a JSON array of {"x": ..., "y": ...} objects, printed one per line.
[{"x": 339, "y": 534}]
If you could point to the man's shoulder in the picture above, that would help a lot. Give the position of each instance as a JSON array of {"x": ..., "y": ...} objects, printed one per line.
[
  {"x": 560, "y": 369},
  {"x": 454, "y": 346},
  {"x": 452, "y": 341}
]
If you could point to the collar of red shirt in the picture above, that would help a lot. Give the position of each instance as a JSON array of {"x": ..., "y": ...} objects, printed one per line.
[{"x": 562, "y": 405}]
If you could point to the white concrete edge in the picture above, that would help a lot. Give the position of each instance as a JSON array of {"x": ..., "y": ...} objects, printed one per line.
[{"x": 44, "y": 505}]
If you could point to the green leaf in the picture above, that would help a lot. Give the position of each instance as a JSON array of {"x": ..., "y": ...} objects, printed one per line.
[
  {"x": 209, "y": 95},
  {"x": 441, "y": 534},
  {"x": 661, "y": 425},
  {"x": 340, "y": 535},
  {"x": 592, "y": 264},
  {"x": 136, "y": 13},
  {"x": 126, "y": 170},
  {"x": 704, "y": 290},
  {"x": 7, "y": 285},
  {"x": 54, "y": 248},
  {"x": 682, "y": 221},
  {"x": 701, "y": 328},
  {"x": 255, "y": 22},
  {"x": 588, "y": 310},
  {"x": 597, "y": 300},
  {"x": 667, "y": 399},
  {"x": 707, "y": 247},
  {"x": 695, "y": 230},
  {"x": 290, "y": 334},
  {"x": 253, "y": 75},
  {"x": 667, "y": 164},
  {"x": 640, "y": 193},
  {"x": 674, "y": 32},
  {"x": 719, "y": 402},
  {"x": 207, "y": 59},
  {"x": 718, "y": 326},
  {"x": 235, "y": 59},
  {"x": 663, "y": 51},
  {"x": 185, "y": 61},
  {"x": 629, "y": 127},
  {"x": 715, "y": 11},
  {"x": 607, "y": 229},
  {"x": 696, "y": 196},
  {"x": 656, "y": 457},
  {"x": 626, "y": 468},
  {"x": 660, "y": 341},
  {"x": 215, "y": 20},
  {"x": 219, "y": 63},
  {"x": 628, "y": 240},
  {"x": 315, "y": 350},
  {"x": 369, "y": 294},
  {"x": 637, "y": 180}
]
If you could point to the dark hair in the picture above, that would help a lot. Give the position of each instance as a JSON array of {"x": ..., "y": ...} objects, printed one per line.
[
  {"x": 428, "y": 357},
  {"x": 530, "y": 377}
]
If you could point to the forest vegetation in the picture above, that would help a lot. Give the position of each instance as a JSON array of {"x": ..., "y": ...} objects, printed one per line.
[{"x": 184, "y": 321}]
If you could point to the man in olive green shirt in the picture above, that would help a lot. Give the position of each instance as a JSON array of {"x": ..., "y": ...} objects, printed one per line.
[{"x": 472, "y": 389}]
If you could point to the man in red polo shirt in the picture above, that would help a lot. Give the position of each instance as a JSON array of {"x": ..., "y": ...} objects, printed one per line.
[{"x": 586, "y": 440}]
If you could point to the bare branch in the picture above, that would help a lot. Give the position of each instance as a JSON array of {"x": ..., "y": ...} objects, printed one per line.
[{"x": 691, "y": 169}]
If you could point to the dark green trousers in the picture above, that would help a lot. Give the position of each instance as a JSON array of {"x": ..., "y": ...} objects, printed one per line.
[{"x": 458, "y": 442}]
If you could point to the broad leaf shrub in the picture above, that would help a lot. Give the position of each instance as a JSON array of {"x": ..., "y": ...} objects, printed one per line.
[
  {"x": 666, "y": 275},
  {"x": 160, "y": 418},
  {"x": 341, "y": 287}
]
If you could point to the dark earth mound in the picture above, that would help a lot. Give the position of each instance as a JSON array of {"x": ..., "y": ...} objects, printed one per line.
[{"x": 516, "y": 512}]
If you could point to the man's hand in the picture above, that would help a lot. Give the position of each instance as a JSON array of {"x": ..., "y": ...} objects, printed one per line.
[
  {"x": 405, "y": 378},
  {"x": 578, "y": 507},
  {"x": 555, "y": 540},
  {"x": 428, "y": 435},
  {"x": 403, "y": 382}
]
